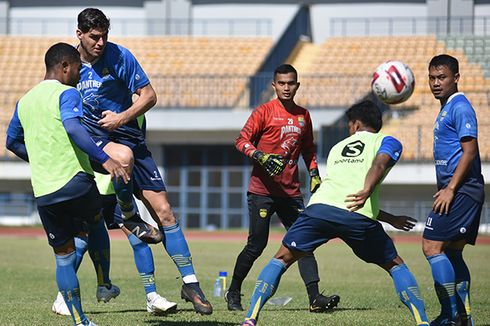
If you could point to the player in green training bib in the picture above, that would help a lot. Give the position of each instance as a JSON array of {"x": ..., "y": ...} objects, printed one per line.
[{"x": 346, "y": 206}]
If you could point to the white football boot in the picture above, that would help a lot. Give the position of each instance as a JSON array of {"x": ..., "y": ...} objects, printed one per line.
[
  {"x": 156, "y": 304},
  {"x": 59, "y": 306}
]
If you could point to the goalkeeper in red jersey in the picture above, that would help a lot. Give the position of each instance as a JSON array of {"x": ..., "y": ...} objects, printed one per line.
[{"x": 274, "y": 136}]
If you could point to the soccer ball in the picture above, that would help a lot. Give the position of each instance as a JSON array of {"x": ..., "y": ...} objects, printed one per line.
[{"x": 393, "y": 82}]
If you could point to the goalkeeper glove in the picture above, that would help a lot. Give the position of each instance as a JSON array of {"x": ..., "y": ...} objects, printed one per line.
[
  {"x": 272, "y": 163},
  {"x": 315, "y": 180}
]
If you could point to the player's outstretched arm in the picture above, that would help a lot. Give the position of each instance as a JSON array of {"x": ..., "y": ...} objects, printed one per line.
[
  {"x": 400, "y": 222},
  {"x": 147, "y": 98},
  {"x": 379, "y": 167}
]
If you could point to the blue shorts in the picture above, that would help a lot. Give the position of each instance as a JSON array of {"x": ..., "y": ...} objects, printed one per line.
[
  {"x": 145, "y": 171},
  {"x": 319, "y": 223},
  {"x": 462, "y": 222},
  {"x": 64, "y": 220}
]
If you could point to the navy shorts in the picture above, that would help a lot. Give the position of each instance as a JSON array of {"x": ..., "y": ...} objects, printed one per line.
[
  {"x": 462, "y": 222},
  {"x": 319, "y": 223},
  {"x": 63, "y": 221},
  {"x": 145, "y": 171}
]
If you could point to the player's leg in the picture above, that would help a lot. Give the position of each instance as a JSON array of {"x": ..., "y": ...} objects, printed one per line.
[
  {"x": 304, "y": 236},
  {"x": 153, "y": 193},
  {"x": 177, "y": 248},
  {"x": 143, "y": 259},
  {"x": 370, "y": 243},
  {"x": 288, "y": 210},
  {"x": 260, "y": 210},
  {"x": 60, "y": 226},
  {"x": 454, "y": 252},
  {"x": 439, "y": 232}
]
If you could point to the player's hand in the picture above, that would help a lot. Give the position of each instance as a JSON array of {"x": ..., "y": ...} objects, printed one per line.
[
  {"x": 111, "y": 120},
  {"x": 273, "y": 164},
  {"x": 405, "y": 223},
  {"x": 443, "y": 199},
  {"x": 356, "y": 201},
  {"x": 315, "y": 180},
  {"x": 116, "y": 170}
]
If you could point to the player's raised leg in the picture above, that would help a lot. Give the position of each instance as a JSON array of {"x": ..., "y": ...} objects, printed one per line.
[{"x": 176, "y": 246}]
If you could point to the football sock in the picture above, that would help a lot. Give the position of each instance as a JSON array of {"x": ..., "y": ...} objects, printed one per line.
[
  {"x": 143, "y": 259},
  {"x": 444, "y": 283},
  {"x": 265, "y": 287},
  {"x": 100, "y": 252},
  {"x": 243, "y": 265},
  {"x": 67, "y": 281},
  {"x": 463, "y": 280},
  {"x": 308, "y": 269},
  {"x": 124, "y": 194},
  {"x": 81, "y": 245},
  {"x": 177, "y": 248},
  {"x": 407, "y": 289}
]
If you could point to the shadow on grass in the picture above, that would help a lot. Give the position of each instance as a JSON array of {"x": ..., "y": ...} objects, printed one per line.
[
  {"x": 194, "y": 323},
  {"x": 326, "y": 312}
]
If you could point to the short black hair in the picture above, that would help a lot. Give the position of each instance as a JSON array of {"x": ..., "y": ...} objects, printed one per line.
[
  {"x": 368, "y": 113},
  {"x": 91, "y": 18},
  {"x": 285, "y": 69},
  {"x": 60, "y": 52},
  {"x": 445, "y": 60}
]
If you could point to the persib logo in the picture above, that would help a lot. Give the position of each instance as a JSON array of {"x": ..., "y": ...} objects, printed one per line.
[{"x": 353, "y": 149}]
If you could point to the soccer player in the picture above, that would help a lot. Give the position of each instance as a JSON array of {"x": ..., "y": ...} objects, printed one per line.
[
  {"x": 110, "y": 76},
  {"x": 274, "y": 136},
  {"x": 143, "y": 257},
  {"x": 346, "y": 206},
  {"x": 46, "y": 130},
  {"x": 455, "y": 216}
]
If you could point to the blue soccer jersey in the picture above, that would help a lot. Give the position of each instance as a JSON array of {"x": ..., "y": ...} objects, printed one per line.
[
  {"x": 456, "y": 120},
  {"x": 109, "y": 84}
]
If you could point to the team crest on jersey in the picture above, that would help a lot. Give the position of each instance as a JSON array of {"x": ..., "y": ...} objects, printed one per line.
[
  {"x": 301, "y": 121},
  {"x": 353, "y": 149},
  {"x": 263, "y": 212},
  {"x": 105, "y": 72}
]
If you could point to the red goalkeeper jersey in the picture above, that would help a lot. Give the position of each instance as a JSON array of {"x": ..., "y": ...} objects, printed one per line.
[{"x": 273, "y": 129}]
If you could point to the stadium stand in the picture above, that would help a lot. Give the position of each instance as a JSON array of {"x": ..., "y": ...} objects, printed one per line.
[
  {"x": 185, "y": 71},
  {"x": 338, "y": 73}
]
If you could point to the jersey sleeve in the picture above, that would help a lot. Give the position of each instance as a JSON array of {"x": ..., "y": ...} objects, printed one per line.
[
  {"x": 15, "y": 130},
  {"x": 130, "y": 71},
  {"x": 250, "y": 133},
  {"x": 71, "y": 105},
  {"x": 392, "y": 147},
  {"x": 308, "y": 146},
  {"x": 464, "y": 118}
]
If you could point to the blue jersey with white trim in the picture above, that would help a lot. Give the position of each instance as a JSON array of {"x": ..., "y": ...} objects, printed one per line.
[
  {"x": 456, "y": 120},
  {"x": 109, "y": 84}
]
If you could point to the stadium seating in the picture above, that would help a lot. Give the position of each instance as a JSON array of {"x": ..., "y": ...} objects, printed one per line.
[
  {"x": 338, "y": 73},
  {"x": 185, "y": 71}
]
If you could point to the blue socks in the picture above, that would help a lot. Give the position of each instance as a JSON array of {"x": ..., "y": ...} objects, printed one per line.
[
  {"x": 407, "y": 289},
  {"x": 124, "y": 194},
  {"x": 144, "y": 263},
  {"x": 67, "y": 281},
  {"x": 81, "y": 245},
  {"x": 463, "y": 280},
  {"x": 177, "y": 248},
  {"x": 265, "y": 287},
  {"x": 99, "y": 250},
  {"x": 444, "y": 283}
]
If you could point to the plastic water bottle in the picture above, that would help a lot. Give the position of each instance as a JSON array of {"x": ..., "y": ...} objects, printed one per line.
[
  {"x": 223, "y": 275},
  {"x": 218, "y": 288}
]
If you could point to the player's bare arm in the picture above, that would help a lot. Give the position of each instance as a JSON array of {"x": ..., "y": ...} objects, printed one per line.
[
  {"x": 375, "y": 174},
  {"x": 400, "y": 222},
  {"x": 147, "y": 98},
  {"x": 444, "y": 197}
]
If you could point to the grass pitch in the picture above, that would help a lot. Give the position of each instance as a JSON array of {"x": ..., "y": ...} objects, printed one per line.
[{"x": 28, "y": 288}]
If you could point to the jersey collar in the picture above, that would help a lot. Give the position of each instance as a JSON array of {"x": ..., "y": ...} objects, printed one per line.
[{"x": 453, "y": 96}]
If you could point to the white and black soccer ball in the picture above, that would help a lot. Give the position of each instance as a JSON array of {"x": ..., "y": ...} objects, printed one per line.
[{"x": 393, "y": 82}]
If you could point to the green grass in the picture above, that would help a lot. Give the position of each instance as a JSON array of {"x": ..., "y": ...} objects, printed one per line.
[{"x": 27, "y": 287}]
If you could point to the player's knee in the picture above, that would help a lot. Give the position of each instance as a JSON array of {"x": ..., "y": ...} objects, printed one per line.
[
  {"x": 124, "y": 155},
  {"x": 255, "y": 249},
  {"x": 165, "y": 214}
]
